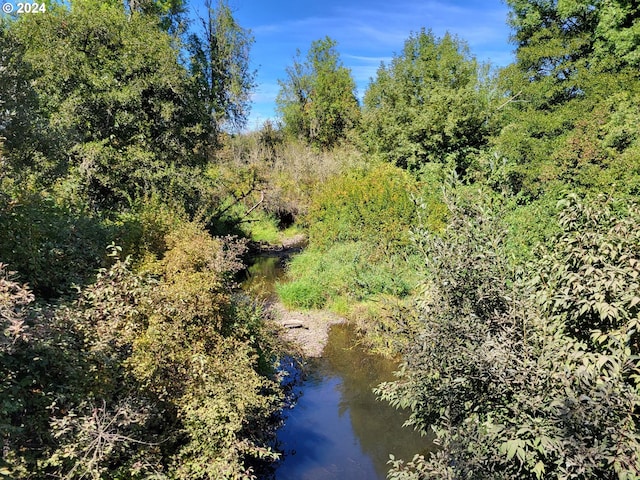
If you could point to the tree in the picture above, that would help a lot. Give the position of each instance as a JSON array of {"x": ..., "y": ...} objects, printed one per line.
[
  {"x": 117, "y": 105},
  {"x": 553, "y": 41},
  {"x": 618, "y": 34},
  {"x": 317, "y": 101},
  {"x": 220, "y": 67},
  {"x": 561, "y": 41},
  {"x": 169, "y": 12},
  {"x": 574, "y": 79},
  {"x": 427, "y": 105}
]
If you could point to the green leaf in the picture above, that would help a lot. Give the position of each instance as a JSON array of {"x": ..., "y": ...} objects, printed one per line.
[{"x": 539, "y": 469}]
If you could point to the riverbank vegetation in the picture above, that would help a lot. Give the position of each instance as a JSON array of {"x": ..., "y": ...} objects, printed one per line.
[
  {"x": 479, "y": 225},
  {"x": 125, "y": 352}
]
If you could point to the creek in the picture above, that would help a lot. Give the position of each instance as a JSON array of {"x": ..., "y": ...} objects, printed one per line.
[{"x": 337, "y": 429}]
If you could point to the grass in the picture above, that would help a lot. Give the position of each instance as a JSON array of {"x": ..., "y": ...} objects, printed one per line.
[
  {"x": 265, "y": 228},
  {"x": 344, "y": 274}
]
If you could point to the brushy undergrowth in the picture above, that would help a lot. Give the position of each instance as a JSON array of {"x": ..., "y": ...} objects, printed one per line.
[
  {"x": 374, "y": 206},
  {"x": 345, "y": 272},
  {"x": 526, "y": 373},
  {"x": 156, "y": 370},
  {"x": 266, "y": 227}
]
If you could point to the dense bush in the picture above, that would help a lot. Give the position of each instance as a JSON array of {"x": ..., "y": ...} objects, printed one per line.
[
  {"x": 50, "y": 245},
  {"x": 529, "y": 375},
  {"x": 42, "y": 360},
  {"x": 374, "y": 206},
  {"x": 160, "y": 373}
]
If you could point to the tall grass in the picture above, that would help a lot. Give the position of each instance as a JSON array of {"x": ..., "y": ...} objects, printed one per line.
[{"x": 343, "y": 274}]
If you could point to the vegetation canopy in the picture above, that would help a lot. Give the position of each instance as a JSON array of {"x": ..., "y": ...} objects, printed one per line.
[{"x": 478, "y": 226}]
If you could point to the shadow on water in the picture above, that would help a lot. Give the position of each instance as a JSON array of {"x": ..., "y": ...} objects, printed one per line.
[
  {"x": 338, "y": 429},
  {"x": 261, "y": 277}
]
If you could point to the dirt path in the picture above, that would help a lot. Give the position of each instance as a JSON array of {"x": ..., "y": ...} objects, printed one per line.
[{"x": 307, "y": 329}]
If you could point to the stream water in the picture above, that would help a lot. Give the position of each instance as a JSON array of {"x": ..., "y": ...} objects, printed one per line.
[{"x": 337, "y": 429}]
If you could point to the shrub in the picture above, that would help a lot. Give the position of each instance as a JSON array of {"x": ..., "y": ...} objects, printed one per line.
[
  {"x": 593, "y": 269},
  {"x": 527, "y": 376},
  {"x": 52, "y": 247},
  {"x": 374, "y": 206},
  {"x": 160, "y": 373},
  {"x": 41, "y": 361}
]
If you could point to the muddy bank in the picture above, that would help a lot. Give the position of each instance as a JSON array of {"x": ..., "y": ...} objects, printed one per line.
[
  {"x": 286, "y": 248},
  {"x": 308, "y": 330}
]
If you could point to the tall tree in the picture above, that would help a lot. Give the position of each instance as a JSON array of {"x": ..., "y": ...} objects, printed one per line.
[
  {"x": 220, "y": 66},
  {"x": 618, "y": 33},
  {"x": 554, "y": 42},
  {"x": 426, "y": 105},
  {"x": 560, "y": 40},
  {"x": 317, "y": 101},
  {"x": 113, "y": 97},
  {"x": 574, "y": 79}
]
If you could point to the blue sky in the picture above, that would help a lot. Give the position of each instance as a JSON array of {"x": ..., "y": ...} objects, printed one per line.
[{"x": 367, "y": 32}]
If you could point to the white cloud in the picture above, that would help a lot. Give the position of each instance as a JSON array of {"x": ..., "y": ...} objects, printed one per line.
[{"x": 371, "y": 33}]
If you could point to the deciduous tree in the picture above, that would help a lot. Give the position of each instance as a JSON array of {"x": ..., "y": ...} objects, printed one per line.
[
  {"x": 426, "y": 105},
  {"x": 317, "y": 101},
  {"x": 112, "y": 95},
  {"x": 220, "y": 67}
]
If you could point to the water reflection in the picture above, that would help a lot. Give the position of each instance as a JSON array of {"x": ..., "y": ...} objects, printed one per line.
[
  {"x": 338, "y": 429},
  {"x": 262, "y": 275}
]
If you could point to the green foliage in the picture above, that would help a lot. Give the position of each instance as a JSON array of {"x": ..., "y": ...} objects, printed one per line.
[
  {"x": 161, "y": 373},
  {"x": 593, "y": 270},
  {"x": 557, "y": 39},
  {"x": 432, "y": 209},
  {"x": 463, "y": 298},
  {"x": 41, "y": 361},
  {"x": 527, "y": 375},
  {"x": 530, "y": 225},
  {"x": 18, "y": 101},
  {"x": 566, "y": 96},
  {"x": 115, "y": 105},
  {"x": 265, "y": 229},
  {"x": 427, "y": 106},
  {"x": 553, "y": 41},
  {"x": 586, "y": 143},
  {"x": 220, "y": 67},
  {"x": 618, "y": 34},
  {"x": 374, "y": 206},
  {"x": 52, "y": 246},
  {"x": 302, "y": 294},
  {"x": 601, "y": 152},
  {"x": 317, "y": 101},
  {"x": 355, "y": 270}
]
